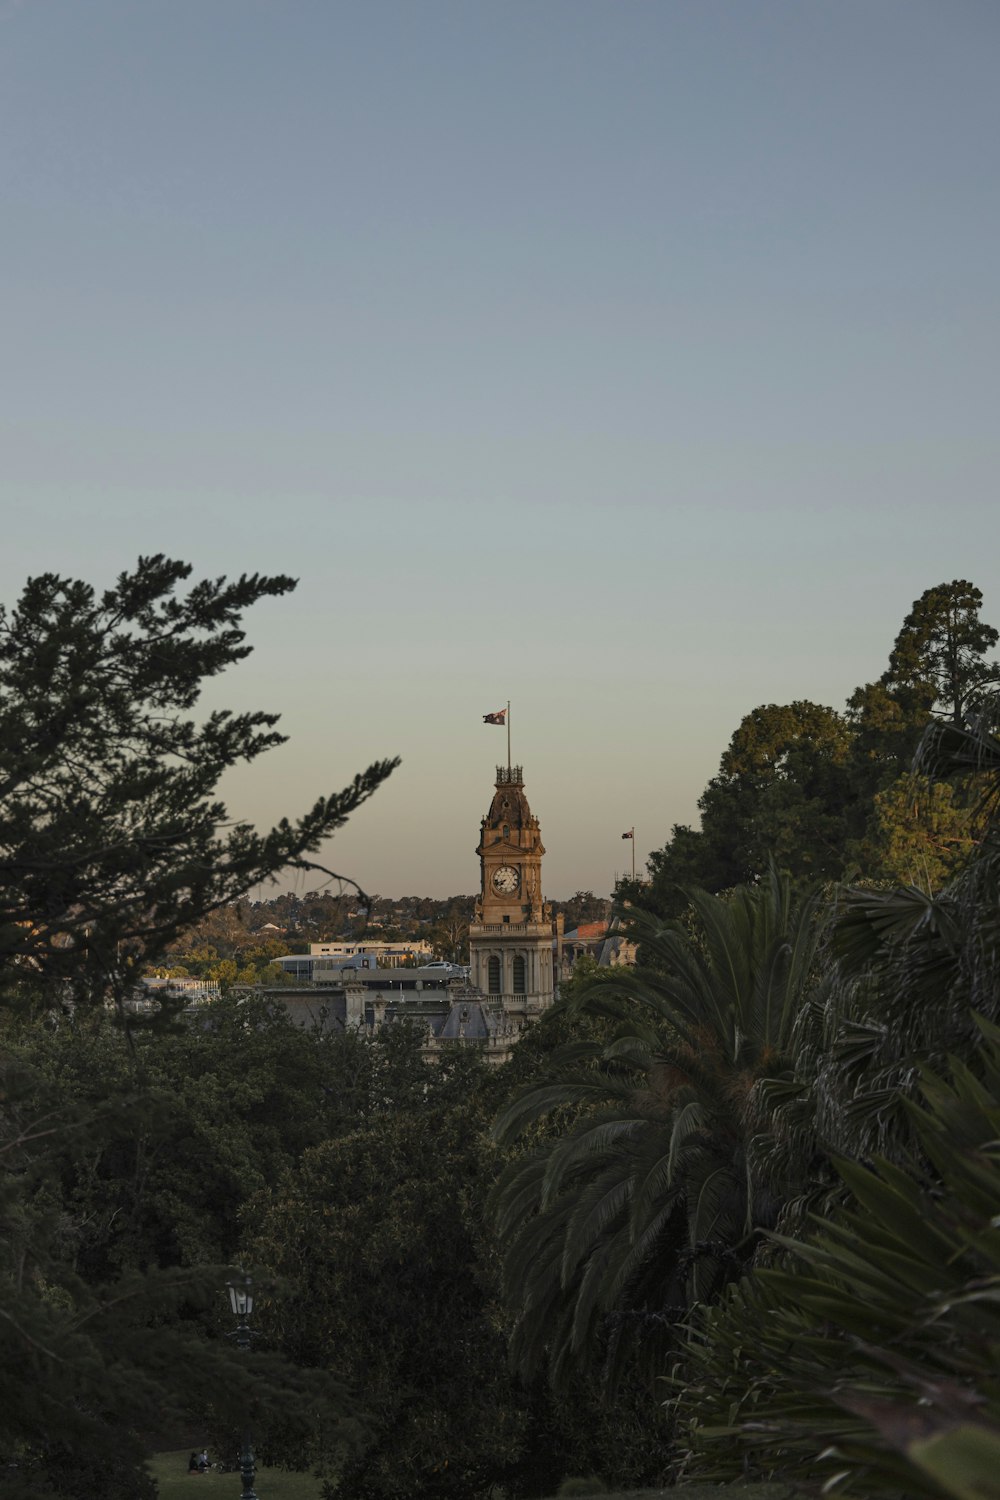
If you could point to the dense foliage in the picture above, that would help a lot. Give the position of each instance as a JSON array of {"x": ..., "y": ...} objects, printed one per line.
[
  {"x": 672, "y": 1153},
  {"x": 376, "y": 1237},
  {"x": 870, "y": 1360},
  {"x": 758, "y": 1172},
  {"x": 774, "y": 1166},
  {"x": 123, "y": 1177},
  {"x": 351, "y": 1176},
  {"x": 128, "y": 1160},
  {"x": 867, "y": 1356}
]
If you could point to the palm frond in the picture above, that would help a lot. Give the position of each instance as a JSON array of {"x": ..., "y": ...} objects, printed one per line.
[
  {"x": 539, "y": 1100},
  {"x": 588, "y": 1142},
  {"x": 660, "y": 1140},
  {"x": 600, "y": 1208}
]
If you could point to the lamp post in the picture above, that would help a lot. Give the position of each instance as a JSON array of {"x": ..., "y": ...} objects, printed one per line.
[{"x": 241, "y": 1300}]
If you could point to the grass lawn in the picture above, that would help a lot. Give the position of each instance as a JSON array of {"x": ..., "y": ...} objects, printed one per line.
[
  {"x": 699, "y": 1492},
  {"x": 175, "y": 1483}
]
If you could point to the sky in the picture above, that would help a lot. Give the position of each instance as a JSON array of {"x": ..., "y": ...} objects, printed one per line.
[{"x": 635, "y": 361}]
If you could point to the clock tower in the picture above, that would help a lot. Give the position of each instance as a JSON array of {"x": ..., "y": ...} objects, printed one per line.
[{"x": 510, "y": 939}]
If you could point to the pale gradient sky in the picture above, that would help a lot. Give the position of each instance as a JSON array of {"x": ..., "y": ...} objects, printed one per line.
[{"x": 636, "y": 361}]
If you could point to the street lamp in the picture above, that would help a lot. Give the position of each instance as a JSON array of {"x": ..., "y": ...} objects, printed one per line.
[{"x": 241, "y": 1300}]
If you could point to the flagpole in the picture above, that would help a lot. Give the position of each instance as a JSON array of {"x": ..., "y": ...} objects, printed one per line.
[
  {"x": 508, "y": 738},
  {"x": 633, "y": 854}
]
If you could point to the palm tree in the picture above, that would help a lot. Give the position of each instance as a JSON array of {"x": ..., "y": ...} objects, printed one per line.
[{"x": 663, "y": 1145}]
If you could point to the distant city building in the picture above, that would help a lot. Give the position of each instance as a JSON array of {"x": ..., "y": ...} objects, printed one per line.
[
  {"x": 387, "y": 954},
  {"x": 181, "y": 985},
  {"x": 325, "y": 961},
  {"x": 584, "y": 941},
  {"x": 604, "y": 942},
  {"x": 151, "y": 989}
]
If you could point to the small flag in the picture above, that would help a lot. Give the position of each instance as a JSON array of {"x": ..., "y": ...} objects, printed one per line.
[
  {"x": 630, "y": 834},
  {"x": 500, "y": 717}
]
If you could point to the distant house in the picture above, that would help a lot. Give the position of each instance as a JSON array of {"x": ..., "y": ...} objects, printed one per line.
[
  {"x": 602, "y": 941},
  {"x": 583, "y": 941}
]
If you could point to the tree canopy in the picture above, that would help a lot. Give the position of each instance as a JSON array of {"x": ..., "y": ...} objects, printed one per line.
[
  {"x": 831, "y": 795},
  {"x": 112, "y": 839},
  {"x": 939, "y": 657}
]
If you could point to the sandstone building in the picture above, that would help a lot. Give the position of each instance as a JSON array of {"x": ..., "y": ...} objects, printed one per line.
[{"x": 510, "y": 938}]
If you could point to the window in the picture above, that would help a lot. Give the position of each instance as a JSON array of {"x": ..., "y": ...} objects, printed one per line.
[
  {"x": 506, "y": 830},
  {"x": 493, "y": 970},
  {"x": 518, "y": 974}
]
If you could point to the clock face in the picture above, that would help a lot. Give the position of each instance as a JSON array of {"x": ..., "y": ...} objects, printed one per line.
[{"x": 506, "y": 880}]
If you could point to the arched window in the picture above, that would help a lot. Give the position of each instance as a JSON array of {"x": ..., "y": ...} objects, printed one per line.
[
  {"x": 518, "y": 974},
  {"x": 506, "y": 830},
  {"x": 493, "y": 971}
]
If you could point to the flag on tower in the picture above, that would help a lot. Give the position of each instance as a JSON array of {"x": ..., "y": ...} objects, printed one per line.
[
  {"x": 500, "y": 717},
  {"x": 630, "y": 834}
]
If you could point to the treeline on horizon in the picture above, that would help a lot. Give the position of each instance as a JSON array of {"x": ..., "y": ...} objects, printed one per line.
[
  {"x": 238, "y": 943},
  {"x": 834, "y": 795},
  {"x": 322, "y": 915},
  {"x": 731, "y": 1214}
]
